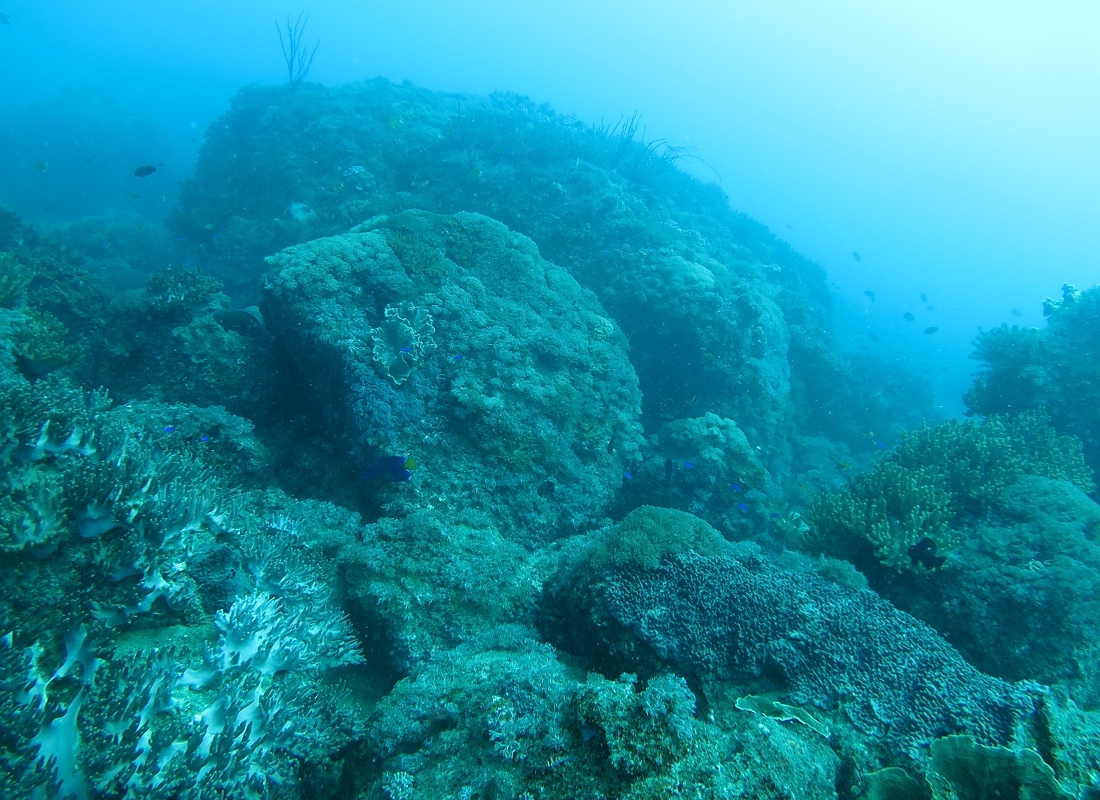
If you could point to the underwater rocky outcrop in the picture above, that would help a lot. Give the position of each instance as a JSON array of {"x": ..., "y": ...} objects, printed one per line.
[
  {"x": 722, "y": 317},
  {"x": 450, "y": 341}
]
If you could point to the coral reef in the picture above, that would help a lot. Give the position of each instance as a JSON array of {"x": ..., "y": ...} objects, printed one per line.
[
  {"x": 507, "y": 717},
  {"x": 1051, "y": 368},
  {"x": 331, "y": 511},
  {"x": 707, "y": 467},
  {"x": 737, "y": 617},
  {"x": 462, "y": 348},
  {"x": 722, "y": 317},
  {"x": 937, "y": 482},
  {"x": 179, "y": 340}
]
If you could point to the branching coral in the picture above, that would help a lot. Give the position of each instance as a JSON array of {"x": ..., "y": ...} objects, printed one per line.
[
  {"x": 1052, "y": 368},
  {"x": 938, "y": 481}
]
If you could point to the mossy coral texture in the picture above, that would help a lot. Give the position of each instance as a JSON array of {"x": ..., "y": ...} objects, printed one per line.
[{"x": 450, "y": 340}]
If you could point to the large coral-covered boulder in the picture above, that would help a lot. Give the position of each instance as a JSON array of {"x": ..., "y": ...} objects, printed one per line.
[{"x": 448, "y": 340}]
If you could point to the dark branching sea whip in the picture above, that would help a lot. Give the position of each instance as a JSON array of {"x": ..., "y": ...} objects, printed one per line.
[{"x": 299, "y": 58}]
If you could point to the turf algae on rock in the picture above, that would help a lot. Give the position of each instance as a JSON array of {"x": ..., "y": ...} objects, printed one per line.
[{"x": 544, "y": 389}]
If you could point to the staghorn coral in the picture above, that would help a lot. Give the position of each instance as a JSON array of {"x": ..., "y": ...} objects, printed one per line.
[
  {"x": 937, "y": 482},
  {"x": 881, "y": 515}
]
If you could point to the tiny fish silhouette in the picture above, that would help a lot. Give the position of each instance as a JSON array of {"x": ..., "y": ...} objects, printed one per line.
[
  {"x": 924, "y": 298},
  {"x": 144, "y": 171},
  {"x": 735, "y": 487},
  {"x": 688, "y": 465},
  {"x": 742, "y": 506},
  {"x": 1016, "y": 312},
  {"x": 908, "y": 317},
  {"x": 855, "y": 255},
  {"x": 546, "y": 488},
  {"x": 933, "y": 329},
  {"x": 924, "y": 553},
  {"x": 870, "y": 294}
]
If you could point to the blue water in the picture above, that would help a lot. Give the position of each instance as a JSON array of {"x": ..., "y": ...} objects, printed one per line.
[{"x": 578, "y": 400}]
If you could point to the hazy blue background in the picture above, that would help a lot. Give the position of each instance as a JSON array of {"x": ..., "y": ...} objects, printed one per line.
[{"x": 955, "y": 146}]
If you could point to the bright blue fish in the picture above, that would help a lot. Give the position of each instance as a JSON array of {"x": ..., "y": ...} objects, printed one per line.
[
  {"x": 688, "y": 465},
  {"x": 387, "y": 468},
  {"x": 627, "y": 475},
  {"x": 742, "y": 506},
  {"x": 735, "y": 487}
]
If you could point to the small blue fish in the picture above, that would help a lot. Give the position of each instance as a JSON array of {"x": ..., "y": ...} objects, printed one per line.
[
  {"x": 742, "y": 506},
  {"x": 880, "y": 444},
  {"x": 456, "y": 357},
  {"x": 406, "y": 349},
  {"x": 169, "y": 428},
  {"x": 688, "y": 465},
  {"x": 735, "y": 488},
  {"x": 776, "y": 516},
  {"x": 390, "y": 469},
  {"x": 204, "y": 438},
  {"x": 627, "y": 475}
]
